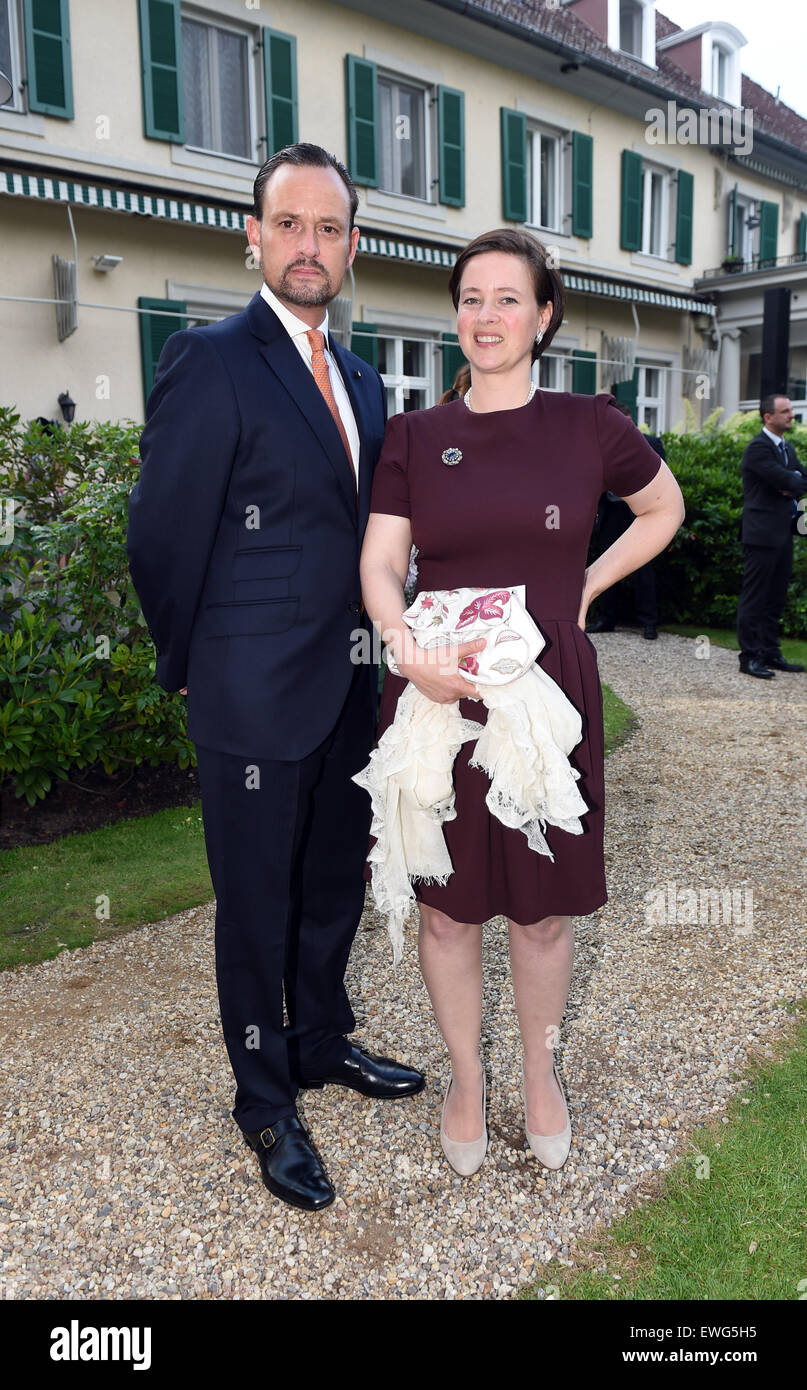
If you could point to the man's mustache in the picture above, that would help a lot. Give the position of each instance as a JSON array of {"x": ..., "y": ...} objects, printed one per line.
[{"x": 306, "y": 265}]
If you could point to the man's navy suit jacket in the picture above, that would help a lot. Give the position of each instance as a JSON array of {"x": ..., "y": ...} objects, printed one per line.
[
  {"x": 769, "y": 490},
  {"x": 244, "y": 536}
]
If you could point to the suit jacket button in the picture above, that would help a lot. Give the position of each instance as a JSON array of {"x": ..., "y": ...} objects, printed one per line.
[{"x": 354, "y": 606}]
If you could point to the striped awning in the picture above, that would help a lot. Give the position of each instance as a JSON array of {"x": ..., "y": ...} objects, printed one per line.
[{"x": 200, "y": 214}]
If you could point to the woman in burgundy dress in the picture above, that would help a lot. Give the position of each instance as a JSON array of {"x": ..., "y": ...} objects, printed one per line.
[{"x": 517, "y": 508}]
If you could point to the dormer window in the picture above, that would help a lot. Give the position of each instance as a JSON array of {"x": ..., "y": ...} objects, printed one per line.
[
  {"x": 721, "y": 63},
  {"x": 632, "y": 28}
]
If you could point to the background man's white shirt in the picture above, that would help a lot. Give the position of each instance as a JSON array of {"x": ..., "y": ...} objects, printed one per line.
[{"x": 297, "y": 330}]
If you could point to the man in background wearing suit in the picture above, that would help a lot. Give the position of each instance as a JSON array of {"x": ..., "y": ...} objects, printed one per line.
[
  {"x": 245, "y": 530},
  {"x": 614, "y": 516},
  {"x": 773, "y": 479}
]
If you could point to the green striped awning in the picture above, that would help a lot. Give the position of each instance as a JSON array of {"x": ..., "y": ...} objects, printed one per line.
[{"x": 200, "y": 214}]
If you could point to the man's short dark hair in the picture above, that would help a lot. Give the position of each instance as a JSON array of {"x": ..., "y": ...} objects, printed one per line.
[
  {"x": 767, "y": 405},
  {"x": 302, "y": 154}
]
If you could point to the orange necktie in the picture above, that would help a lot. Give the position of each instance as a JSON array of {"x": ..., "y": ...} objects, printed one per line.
[{"x": 321, "y": 377}]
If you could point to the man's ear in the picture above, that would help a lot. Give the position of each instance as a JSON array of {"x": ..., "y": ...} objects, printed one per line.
[{"x": 352, "y": 244}]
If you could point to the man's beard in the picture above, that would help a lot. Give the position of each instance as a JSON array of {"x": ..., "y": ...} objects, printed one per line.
[{"x": 317, "y": 292}]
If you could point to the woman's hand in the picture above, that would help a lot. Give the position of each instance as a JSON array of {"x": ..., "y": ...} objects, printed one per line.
[{"x": 434, "y": 670}]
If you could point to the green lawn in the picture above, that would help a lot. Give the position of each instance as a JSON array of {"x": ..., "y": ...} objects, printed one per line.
[
  {"x": 729, "y": 1220},
  {"x": 148, "y": 868}
]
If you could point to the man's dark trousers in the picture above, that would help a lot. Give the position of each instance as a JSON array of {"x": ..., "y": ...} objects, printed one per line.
[
  {"x": 766, "y": 574},
  {"x": 269, "y": 825}
]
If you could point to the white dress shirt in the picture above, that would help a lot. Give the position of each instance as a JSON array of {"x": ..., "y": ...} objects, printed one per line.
[{"x": 297, "y": 330}]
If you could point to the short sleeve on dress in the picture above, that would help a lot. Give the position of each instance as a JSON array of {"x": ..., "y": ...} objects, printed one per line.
[
  {"x": 629, "y": 463},
  {"x": 390, "y": 492}
]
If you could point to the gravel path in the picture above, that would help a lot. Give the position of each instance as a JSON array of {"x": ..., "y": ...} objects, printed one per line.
[{"x": 124, "y": 1175}]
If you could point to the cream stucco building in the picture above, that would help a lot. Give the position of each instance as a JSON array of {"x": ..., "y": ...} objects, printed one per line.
[{"x": 672, "y": 189}]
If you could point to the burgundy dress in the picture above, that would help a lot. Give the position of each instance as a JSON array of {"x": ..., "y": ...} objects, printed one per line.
[{"x": 518, "y": 508}]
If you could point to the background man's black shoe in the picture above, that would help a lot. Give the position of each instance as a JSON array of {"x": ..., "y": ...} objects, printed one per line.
[
  {"x": 600, "y": 625},
  {"x": 378, "y": 1077},
  {"x": 289, "y": 1165},
  {"x": 754, "y": 667},
  {"x": 650, "y": 632},
  {"x": 778, "y": 663}
]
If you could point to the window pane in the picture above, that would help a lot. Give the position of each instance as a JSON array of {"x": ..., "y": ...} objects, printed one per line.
[
  {"x": 656, "y": 242},
  {"x": 413, "y": 358},
  {"x": 391, "y": 406},
  {"x": 386, "y": 135},
  {"x": 5, "y": 47},
  {"x": 233, "y": 94},
  {"x": 630, "y": 27},
  {"x": 196, "y": 84},
  {"x": 414, "y": 399},
  {"x": 651, "y": 381},
  {"x": 385, "y": 355},
  {"x": 411, "y": 142},
  {"x": 651, "y": 418},
  {"x": 549, "y": 154}
]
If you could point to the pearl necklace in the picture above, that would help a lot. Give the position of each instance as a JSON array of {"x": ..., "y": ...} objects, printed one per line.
[{"x": 467, "y": 399}]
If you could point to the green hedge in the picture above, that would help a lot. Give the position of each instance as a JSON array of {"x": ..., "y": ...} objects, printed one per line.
[{"x": 76, "y": 662}]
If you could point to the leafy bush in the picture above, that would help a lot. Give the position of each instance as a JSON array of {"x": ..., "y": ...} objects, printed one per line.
[{"x": 76, "y": 661}]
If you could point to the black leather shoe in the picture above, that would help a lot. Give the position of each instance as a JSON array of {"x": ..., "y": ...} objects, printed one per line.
[
  {"x": 650, "y": 632},
  {"x": 378, "y": 1077},
  {"x": 754, "y": 667},
  {"x": 290, "y": 1167},
  {"x": 599, "y": 625},
  {"x": 778, "y": 663}
]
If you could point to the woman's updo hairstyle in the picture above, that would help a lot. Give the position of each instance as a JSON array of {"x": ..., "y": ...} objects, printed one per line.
[{"x": 546, "y": 281}]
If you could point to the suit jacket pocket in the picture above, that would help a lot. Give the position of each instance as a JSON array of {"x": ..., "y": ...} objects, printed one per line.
[
  {"x": 248, "y": 617},
  {"x": 266, "y": 561}
]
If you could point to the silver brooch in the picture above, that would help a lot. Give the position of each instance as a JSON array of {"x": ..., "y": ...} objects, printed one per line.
[{"x": 451, "y": 457}]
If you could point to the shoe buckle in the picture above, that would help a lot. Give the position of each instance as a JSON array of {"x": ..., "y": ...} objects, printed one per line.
[{"x": 262, "y": 1139}]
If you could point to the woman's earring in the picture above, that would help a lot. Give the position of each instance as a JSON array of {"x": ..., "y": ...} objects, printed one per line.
[{"x": 539, "y": 335}]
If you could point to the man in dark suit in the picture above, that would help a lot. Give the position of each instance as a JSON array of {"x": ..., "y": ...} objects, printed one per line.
[
  {"x": 773, "y": 479},
  {"x": 614, "y": 516},
  {"x": 245, "y": 529}
]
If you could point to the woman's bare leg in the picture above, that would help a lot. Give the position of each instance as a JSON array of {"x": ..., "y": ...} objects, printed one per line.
[
  {"x": 541, "y": 957},
  {"x": 451, "y": 960}
]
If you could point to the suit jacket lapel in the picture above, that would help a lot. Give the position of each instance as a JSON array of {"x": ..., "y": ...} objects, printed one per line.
[
  {"x": 352, "y": 378},
  {"x": 282, "y": 356}
]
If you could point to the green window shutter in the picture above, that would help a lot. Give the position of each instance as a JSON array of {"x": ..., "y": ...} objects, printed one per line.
[
  {"x": 733, "y": 221},
  {"x": 683, "y": 218},
  {"x": 161, "y": 69},
  {"x": 514, "y": 165},
  {"x": 47, "y": 57},
  {"x": 768, "y": 233},
  {"x": 364, "y": 342},
  {"x": 154, "y": 329},
  {"x": 628, "y": 391},
  {"x": 362, "y": 120},
  {"x": 280, "y": 87},
  {"x": 582, "y": 184},
  {"x": 631, "y": 225},
  {"x": 451, "y": 118},
  {"x": 584, "y": 372},
  {"x": 801, "y": 244},
  {"x": 453, "y": 359}
]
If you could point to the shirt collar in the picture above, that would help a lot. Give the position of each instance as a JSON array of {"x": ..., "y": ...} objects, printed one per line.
[
  {"x": 290, "y": 321},
  {"x": 777, "y": 439}
]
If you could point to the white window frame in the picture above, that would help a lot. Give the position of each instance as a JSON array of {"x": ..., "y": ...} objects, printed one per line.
[
  {"x": 396, "y": 380},
  {"x": 429, "y": 134},
  {"x": 561, "y": 141},
  {"x": 645, "y": 402},
  {"x": 16, "y": 46},
  {"x": 748, "y": 250},
  {"x": 647, "y": 54},
  {"x": 649, "y": 171},
  {"x": 244, "y": 32},
  {"x": 554, "y": 360}
]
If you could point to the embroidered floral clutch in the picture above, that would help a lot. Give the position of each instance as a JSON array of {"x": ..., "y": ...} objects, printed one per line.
[{"x": 444, "y": 617}]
